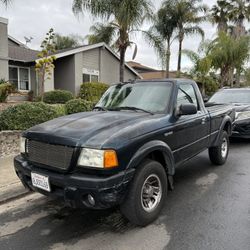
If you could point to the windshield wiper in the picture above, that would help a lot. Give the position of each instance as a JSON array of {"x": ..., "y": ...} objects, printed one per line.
[
  {"x": 132, "y": 108},
  {"x": 100, "y": 108}
]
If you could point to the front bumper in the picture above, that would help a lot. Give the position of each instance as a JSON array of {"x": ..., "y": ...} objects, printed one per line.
[
  {"x": 74, "y": 188},
  {"x": 241, "y": 129}
]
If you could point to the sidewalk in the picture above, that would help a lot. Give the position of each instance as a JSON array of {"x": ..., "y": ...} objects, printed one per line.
[{"x": 10, "y": 185}]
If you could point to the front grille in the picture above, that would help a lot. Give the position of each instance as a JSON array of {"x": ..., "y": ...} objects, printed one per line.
[{"x": 50, "y": 155}]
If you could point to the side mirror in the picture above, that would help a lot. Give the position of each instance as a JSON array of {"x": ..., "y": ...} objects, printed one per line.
[{"x": 187, "y": 109}]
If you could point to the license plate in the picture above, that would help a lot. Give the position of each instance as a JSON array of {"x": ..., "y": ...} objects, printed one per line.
[{"x": 40, "y": 181}]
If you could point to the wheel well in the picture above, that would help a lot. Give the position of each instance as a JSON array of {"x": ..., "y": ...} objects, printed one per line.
[
  {"x": 227, "y": 127},
  {"x": 157, "y": 156}
]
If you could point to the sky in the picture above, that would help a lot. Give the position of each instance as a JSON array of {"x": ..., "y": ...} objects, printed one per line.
[{"x": 33, "y": 18}]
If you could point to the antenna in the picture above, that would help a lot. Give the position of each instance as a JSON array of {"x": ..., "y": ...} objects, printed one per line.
[{"x": 28, "y": 40}]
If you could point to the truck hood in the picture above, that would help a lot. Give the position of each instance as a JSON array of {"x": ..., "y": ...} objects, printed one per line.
[{"x": 91, "y": 129}]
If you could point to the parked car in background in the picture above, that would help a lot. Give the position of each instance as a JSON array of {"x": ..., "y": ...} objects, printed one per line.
[
  {"x": 240, "y": 99},
  {"x": 125, "y": 152}
]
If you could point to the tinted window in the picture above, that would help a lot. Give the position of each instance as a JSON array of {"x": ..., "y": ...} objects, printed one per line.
[
  {"x": 186, "y": 95},
  {"x": 231, "y": 96},
  {"x": 150, "y": 96}
]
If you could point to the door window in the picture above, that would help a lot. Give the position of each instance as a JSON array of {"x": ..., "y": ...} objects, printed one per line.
[
  {"x": 186, "y": 95},
  {"x": 24, "y": 79}
]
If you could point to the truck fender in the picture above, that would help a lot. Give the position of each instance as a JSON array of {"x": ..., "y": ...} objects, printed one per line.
[
  {"x": 150, "y": 147},
  {"x": 226, "y": 120}
]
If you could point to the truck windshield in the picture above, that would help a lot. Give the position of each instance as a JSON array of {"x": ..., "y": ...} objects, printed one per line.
[{"x": 144, "y": 96}]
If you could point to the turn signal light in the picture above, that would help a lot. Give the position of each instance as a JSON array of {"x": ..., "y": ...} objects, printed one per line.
[{"x": 110, "y": 159}]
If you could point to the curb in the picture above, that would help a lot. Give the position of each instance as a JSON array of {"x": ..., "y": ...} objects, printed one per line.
[{"x": 12, "y": 192}]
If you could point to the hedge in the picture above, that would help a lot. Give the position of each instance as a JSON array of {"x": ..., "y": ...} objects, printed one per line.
[
  {"x": 78, "y": 105},
  {"x": 57, "y": 96},
  {"x": 26, "y": 115},
  {"x": 5, "y": 89},
  {"x": 92, "y": 91}
]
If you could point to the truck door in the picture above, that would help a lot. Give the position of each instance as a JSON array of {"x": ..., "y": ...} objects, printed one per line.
[{"x": 191, "y": 131}]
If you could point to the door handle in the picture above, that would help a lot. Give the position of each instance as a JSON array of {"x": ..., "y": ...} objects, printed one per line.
[{"x": 203, "y": 120}]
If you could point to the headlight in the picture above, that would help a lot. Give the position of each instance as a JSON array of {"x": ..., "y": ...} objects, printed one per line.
[
  {"x": 242, "y": 115},
  {"x": 97, "y": 158},
  {"x": 22, "y": 145}
]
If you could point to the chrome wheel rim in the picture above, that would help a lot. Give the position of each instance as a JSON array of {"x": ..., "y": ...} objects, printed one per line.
[
  {"x": 151, "y": 193},
  {"x": 224, "y": 148}
]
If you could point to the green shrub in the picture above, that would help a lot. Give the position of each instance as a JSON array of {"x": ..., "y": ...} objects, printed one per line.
[
  {"x": 5, "y": 89},
  {"x": 78, "y": 105},
  {"x": 57, "y": 96},
  {"x": 59, "y": 108},
  {"x": 92, "y": 91},
  {"x": 26, "y": 115}
]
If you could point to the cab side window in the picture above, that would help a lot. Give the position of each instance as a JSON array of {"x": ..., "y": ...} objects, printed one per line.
[{"x": 186, "y": 95}]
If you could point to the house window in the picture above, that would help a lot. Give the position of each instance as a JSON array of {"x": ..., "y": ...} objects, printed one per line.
[
  {"x": 90, "y": 75},
  {"x": 13, "y": 76},
  {"x": 19, "y": 77}
]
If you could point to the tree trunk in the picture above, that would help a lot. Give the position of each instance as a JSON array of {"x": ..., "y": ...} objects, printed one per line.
[
  {"x": 231, "y": 77},
  {"x": 238, "y": 73},
  {"x": 122, "y": 63},
  {"x": 224, "y": 76},
  {"x": 168, "y": 55},
  {"x": 179, "y": 54}
]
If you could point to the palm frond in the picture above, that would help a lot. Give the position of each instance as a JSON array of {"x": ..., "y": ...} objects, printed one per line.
[
  {"x": 5, "y": 2},
  {"x": 194, "y": 30},
  {"x": 157, "y": 43},
  {"x": 192, "y": 55},
  {"x": 102, "y": 33}
]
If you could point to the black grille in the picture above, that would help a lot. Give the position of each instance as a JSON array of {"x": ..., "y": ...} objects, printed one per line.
[{"x": 56, "y": 156}]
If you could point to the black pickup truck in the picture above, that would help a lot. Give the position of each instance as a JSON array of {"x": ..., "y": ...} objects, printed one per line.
[{"x": 126, "y": 150}]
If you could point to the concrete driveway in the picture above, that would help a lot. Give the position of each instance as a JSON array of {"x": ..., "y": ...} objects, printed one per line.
[{"x": 209, "y": 209}]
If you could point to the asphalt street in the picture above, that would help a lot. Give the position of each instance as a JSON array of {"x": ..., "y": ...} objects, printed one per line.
[{"x": 208, "y": 210}]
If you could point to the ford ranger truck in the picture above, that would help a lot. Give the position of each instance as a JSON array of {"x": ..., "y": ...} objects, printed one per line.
[{"x": 124, "y": 153}]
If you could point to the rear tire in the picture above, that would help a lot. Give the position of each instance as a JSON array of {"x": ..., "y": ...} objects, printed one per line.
[
  {"x": 218, "y": 155},
  {"x": 147, "y": 194}
]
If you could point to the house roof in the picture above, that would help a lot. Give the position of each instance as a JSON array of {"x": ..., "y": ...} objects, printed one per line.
[
  {"x": 16, "y": 41},
  {"x": 22, "y": 54},
  {"x": 83, "y": 48},
  {"x": 149, "y": 73},
  {"x": 140, "y": 67},
  {"x": 161, "y": 74}
]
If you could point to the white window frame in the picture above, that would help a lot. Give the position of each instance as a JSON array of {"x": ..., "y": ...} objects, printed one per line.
[
  {"x": 18, "y": 77},
  {"x": 91, "y": 72}
]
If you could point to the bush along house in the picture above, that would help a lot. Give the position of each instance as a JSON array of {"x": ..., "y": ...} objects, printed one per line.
[{"x": 96, "y": 63}]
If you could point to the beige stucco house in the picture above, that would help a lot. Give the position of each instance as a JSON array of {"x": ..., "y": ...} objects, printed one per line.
[{"x": 74, "y": 66}]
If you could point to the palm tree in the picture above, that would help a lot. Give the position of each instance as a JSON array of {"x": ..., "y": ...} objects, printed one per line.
[
  {"x": 220, "y": 16},
  {"x": 228, "y": 54},
  {"x": 202, "y": 64},
  {"x": 5, "y": 2},
  {"x": 238, "y": 13},
  {"x": 160, "y": 34},
  {"x": 187, "y": 14},
  {"x": 123, "y": 18}
]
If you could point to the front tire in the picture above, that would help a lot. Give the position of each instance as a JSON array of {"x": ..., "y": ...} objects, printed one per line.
[
  {"x": 218, "y": 155},
  {"x": 147, "y": 194}
]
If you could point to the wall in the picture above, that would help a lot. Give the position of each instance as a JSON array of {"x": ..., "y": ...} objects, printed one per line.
[
  {"x": 49, "y": 83},
  {"x": 102, "y": 60},
  {"x": 110, "y": 69},
  {"x": 64, "y": 77},
  {"x": 78, "y": 72},
  {"x": 4, "y": 72}
]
